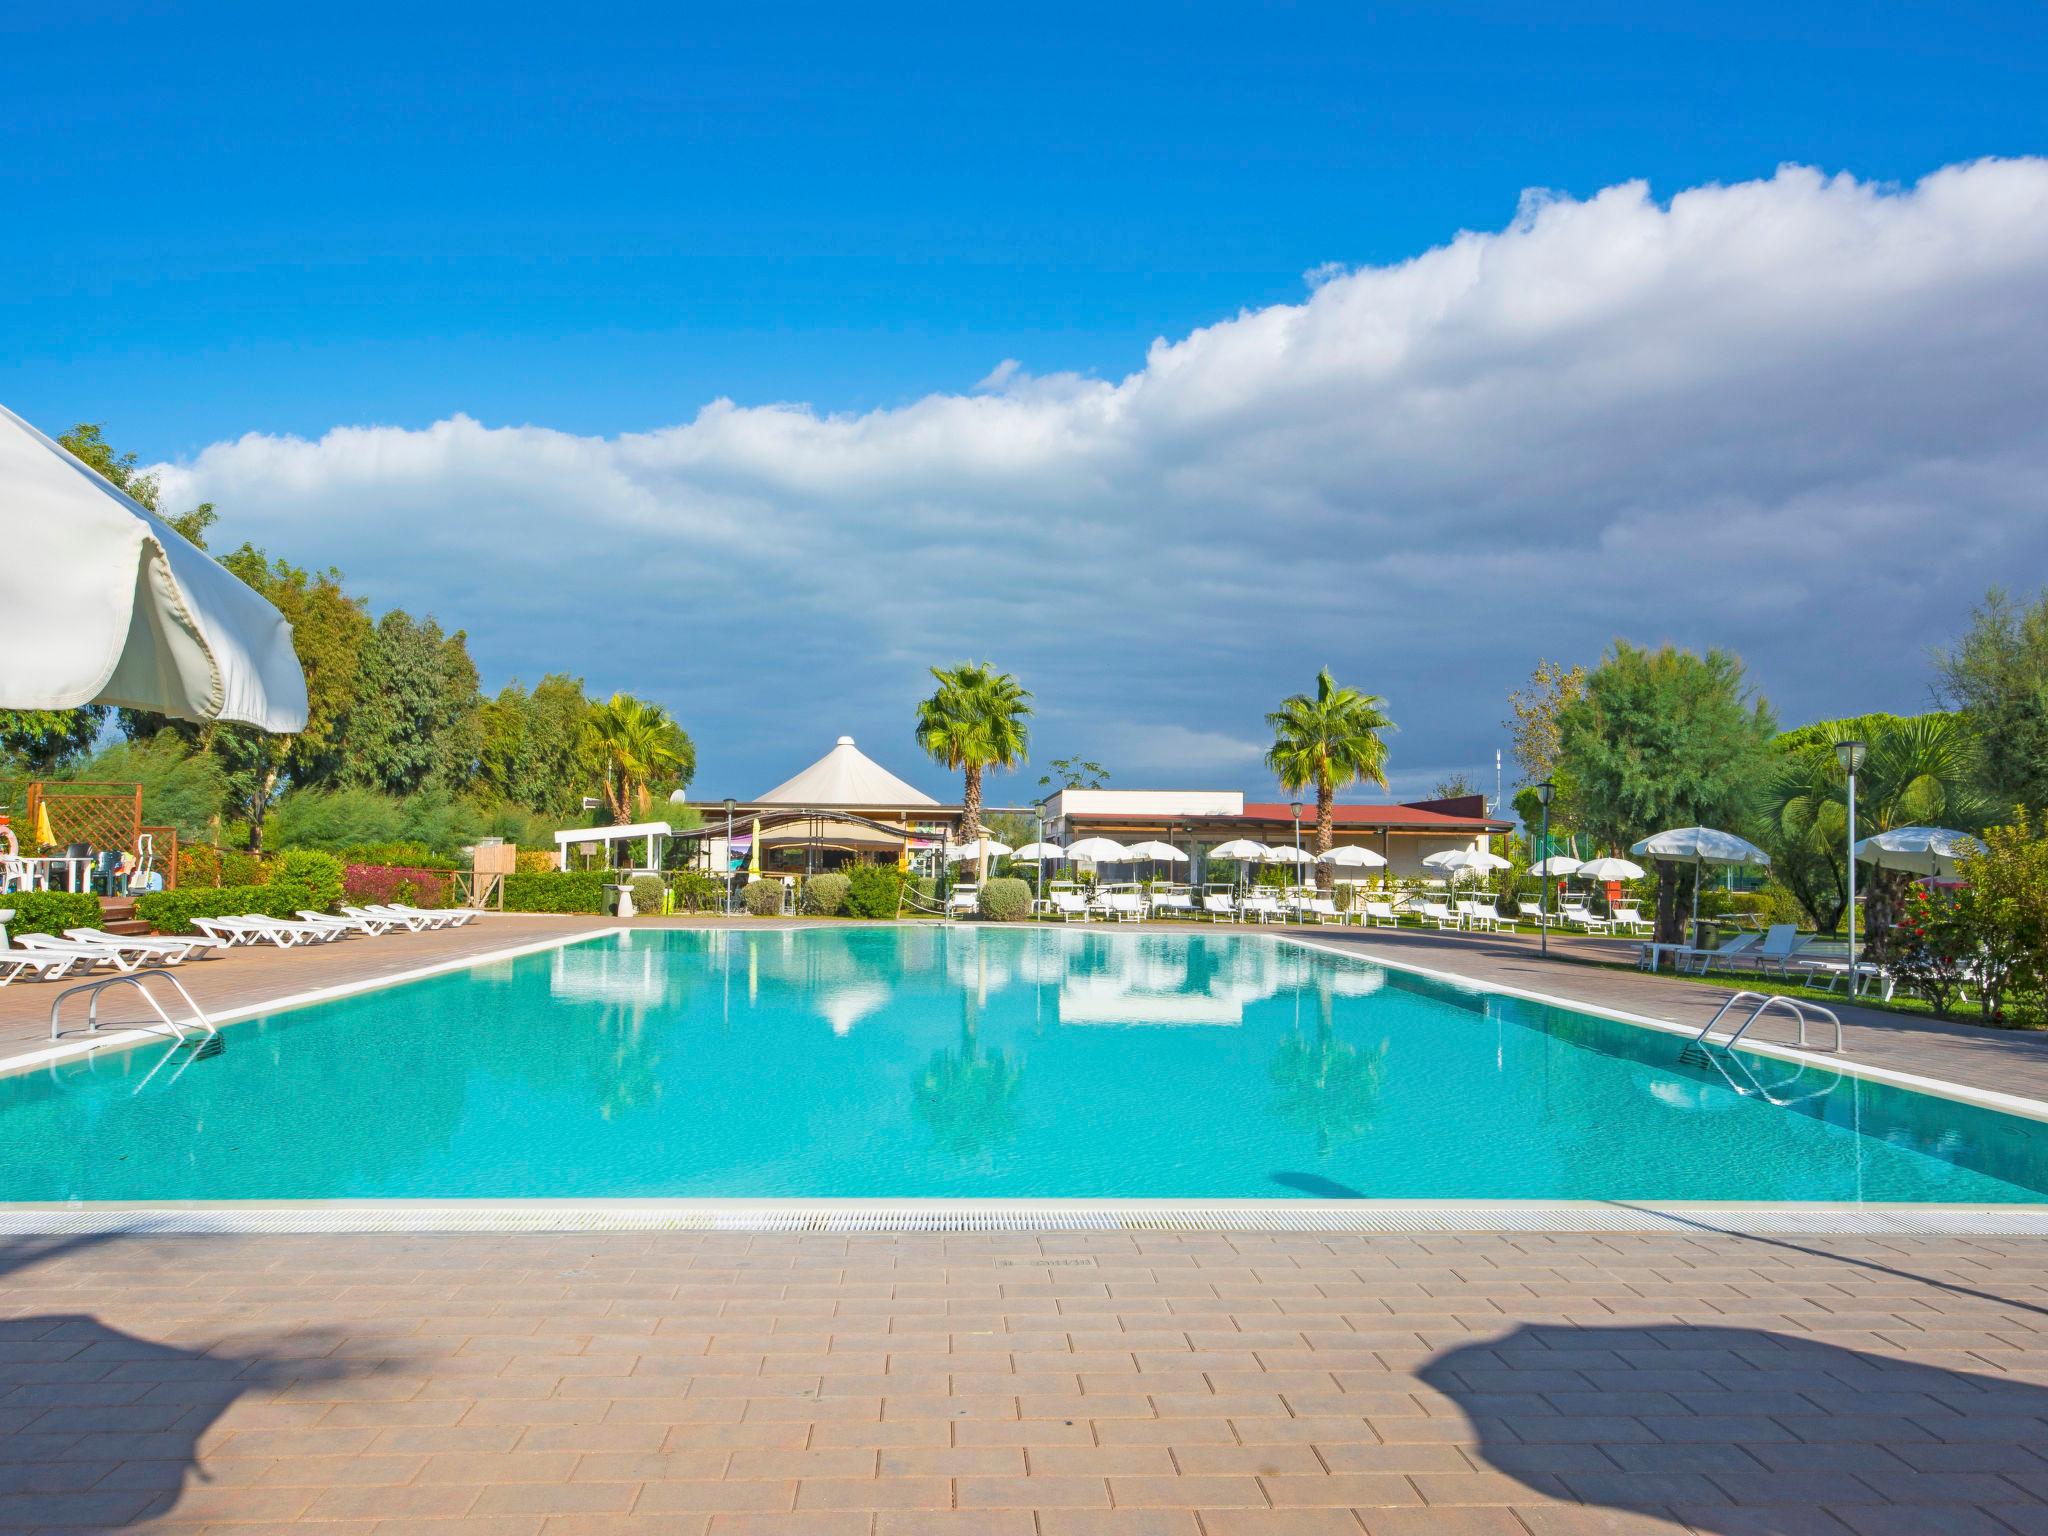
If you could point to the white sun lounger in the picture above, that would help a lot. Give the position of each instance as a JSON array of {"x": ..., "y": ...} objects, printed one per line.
[
  {"x": 253, "y": 929},
  {"x": 388, "y": 917},
  {"x": 1631, "y": 919},
  {"x": 1485, "y": 914},
  {"x": 443, "y": 917},
  {"x": 1381, "y": 912},
  {"x": 1439, "y": 913},
  {"x": 1069, "y": 906},
  {"x": 1125, "y": 906},
  {"x": 1173, "y": 904},
  {"x": 1218, "y": 907},
  {"x": 1320, "y": 909},
  {"x": 167, "y": 949},
  {"x": 85, "y": 955},
  {"x": 1260, "y": 909}
]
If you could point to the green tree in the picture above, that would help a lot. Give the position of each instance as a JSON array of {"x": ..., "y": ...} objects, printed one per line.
[
  {"x": 634, "y": 748},
  {"x": 44, "y": 742},
  {"x": 1328, "y": 739},
  {"x": 414, "y": 716},
  {"x": 975, "y": 720},
  {"x": 1326, "y": 1086},
  {"x": 1997, "y": 677},
  {"x": 528, "y": 744},
  {"x": 181, "y": 786},
  {"x": 1664, "y": 739}
]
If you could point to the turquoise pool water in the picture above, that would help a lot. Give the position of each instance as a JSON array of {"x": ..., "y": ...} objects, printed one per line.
[{"x": 977, "y": 1062}]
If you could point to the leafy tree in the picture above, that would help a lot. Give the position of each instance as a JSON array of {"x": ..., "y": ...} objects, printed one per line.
[
  {"x": 1664, "y": 739},
  {"x": 1073, "y": 773},
  {"x": 181, "y": 787},
  {"x": 1456, "y": 787},
  {"x": 1328, "y": 739},
  {"x": 44, "y": 742},
  {"x": 1997, "y": 676},
  {"x": 528, "y": 744},
  {"x": 1535, "y": 742},
  {"x": 974, "y": 721},
  {"x": 968, "y": 1096},
  {"x": 634, "y": 747},
  {"x": 414, "y": 716}
]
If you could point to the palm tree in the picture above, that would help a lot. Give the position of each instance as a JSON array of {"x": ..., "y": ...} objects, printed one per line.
[
  {"x": 631, "y": 745},
  {"x": 973, "y": 721},
  {"x": 1328, "y": 739},
  {"x": 1326, "y": 1086}
]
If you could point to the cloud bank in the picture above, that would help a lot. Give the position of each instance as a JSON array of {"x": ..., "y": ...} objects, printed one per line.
[{"x": 1801, "y": 417}]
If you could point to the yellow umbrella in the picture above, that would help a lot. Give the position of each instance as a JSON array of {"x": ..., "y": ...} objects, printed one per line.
[
  {"x": 754, "y": 850},
  {"x": 44, "y": 835}
]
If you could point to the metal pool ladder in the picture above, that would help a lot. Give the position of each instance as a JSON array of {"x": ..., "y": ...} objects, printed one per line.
[
  {"x": 1802, "y": 1012},
  {"x": 198, "y": 1023}
]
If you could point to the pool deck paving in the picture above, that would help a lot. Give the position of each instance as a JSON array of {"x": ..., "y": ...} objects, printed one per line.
[
  {"x": 1109, "y": 1384},
  {"x": 1121, "y": 1383}
]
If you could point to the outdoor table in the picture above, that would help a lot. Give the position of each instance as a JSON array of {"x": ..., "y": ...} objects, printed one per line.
[
  {"x": 39, "y": 870},
  {"x": 1654, "y": 954}
]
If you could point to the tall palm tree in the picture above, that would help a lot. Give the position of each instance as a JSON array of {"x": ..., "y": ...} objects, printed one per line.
[
  {"x": 974, "y": 720},
  {"x": 1328, "y": 739},
  {"x": 632, "y": 745}
]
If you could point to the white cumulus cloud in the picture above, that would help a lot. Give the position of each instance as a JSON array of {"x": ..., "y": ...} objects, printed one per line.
[{"x": 1799, "y": 417}]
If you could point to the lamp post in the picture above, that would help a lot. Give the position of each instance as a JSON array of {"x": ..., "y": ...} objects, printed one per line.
[
  {"x": 1040, "y": 860},
  {"x": 1295, "y": 872},
  {"x": 1543, "y": 793},
  {"x": 1851, "y": 755},
  {"x": 726, "y": 874}
]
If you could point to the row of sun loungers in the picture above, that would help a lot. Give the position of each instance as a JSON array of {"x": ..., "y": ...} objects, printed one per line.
[{"x": 81, "y": 950}]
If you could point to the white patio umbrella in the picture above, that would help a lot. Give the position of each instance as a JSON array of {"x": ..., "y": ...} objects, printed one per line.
[
  {"x": 1241, "y": 850},
  {"x": 1701, "y": 846},
  {"x": 1611, "y": 869},
  {"x": 1350, "y": 857},
  {"x": 1040, "y": 851},
  {"x": 1290, "y": 856},
  {"x": 107, "y": 604},
  {"x": 1151, "y": 851},
  {"x": 1097, "y": 850},
  {"x": 980, "y": 848},
  {"x": 1557, "y": 864},
  {"x": 1935, "y": 852}
]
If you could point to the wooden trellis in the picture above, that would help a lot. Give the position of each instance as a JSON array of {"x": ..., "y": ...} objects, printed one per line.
[{"x": 100, "y": 815}]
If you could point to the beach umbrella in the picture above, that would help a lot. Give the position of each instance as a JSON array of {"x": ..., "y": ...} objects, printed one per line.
[
  {"x": 1290, "y": 856},
  {"x": 1935, "y": 852},
  {"x": 107, "y": 604},
  {"x": 1241, "y": 850},
  {"x": 1557, "y": 864},
  {"x": 1165, "y": 852},
  {"x": 1097, "y": 850},
  {"x": 1351, "y": 858},
  {"x": 1701, "y": 846},
  {"x": 980, "y": 848},
  {"x": 1611, "y": 869},
  {"x": 1040, "y": 851}
]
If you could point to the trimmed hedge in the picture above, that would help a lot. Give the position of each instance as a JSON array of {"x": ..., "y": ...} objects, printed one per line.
[
  {"x": 648, "y": 891},
  {"x": 50, "y": 912},
  {"x": 1005, "y": 901},
  {"x": 763, "y": 898},
  {"x": 173, "y": 911},
  {"x": 873, "y": 890},
  {"x": 573, "y": 890},
  {"x": 825, "y": 895}
]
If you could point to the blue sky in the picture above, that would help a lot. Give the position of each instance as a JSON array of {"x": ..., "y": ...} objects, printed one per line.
[{"x": 232, "y": 220}]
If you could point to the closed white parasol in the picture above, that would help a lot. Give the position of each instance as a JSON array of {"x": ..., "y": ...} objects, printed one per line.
[{"x": 107, "y": 604}]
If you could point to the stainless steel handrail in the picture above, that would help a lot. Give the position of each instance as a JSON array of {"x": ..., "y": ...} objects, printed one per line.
[
  {"x": 1802, "y": 1012},
  {"x": 135, "y": 979}
]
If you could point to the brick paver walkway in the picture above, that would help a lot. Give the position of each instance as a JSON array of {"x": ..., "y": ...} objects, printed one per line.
[{"x": 1109, "y": 1385}]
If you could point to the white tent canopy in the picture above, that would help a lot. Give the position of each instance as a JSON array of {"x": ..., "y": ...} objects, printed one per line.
[
  {"x": 1933, "y": 851},
  {"x": 107, "y": 604}
]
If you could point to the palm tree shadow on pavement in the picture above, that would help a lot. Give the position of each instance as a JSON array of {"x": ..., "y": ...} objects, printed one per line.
[
  {"x": 1742, "y": 1432},
  {"x": 100, "y": 1428}
]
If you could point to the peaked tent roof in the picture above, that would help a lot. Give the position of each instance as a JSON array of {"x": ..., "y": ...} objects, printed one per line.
[{"x": 845, "y": 776}]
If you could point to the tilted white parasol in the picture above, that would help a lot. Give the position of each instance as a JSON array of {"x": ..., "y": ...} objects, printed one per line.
[
  {"x": 1936, "y": 852},
  {"x": 107, "y": 604}
]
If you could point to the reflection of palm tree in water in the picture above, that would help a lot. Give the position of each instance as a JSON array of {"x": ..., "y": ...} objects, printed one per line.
[
  {"x": 967, "y": 1095},
  {"x": 1326, "y": 1086},
  {"x": 192, "y": 1389}
]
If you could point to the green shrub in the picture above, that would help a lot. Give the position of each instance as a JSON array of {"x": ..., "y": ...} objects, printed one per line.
[
  {"x": 556, "y": 891},
  {"x": 825, "y": 895},
  {"x": 697, "y": 891},
  {"x": 238, "y": 866},
  {"x": 873, "y": 890},
  {"x": 763, "y": 898},
  {"x": 648, "y": 891},
  {"x": 173, "y": 911},
  {"x": 50, "y": 912},
  {"x": 198, "y": 864},
  {"x": 1005, "y": 901},
  {"x": 320, "y": 873}
]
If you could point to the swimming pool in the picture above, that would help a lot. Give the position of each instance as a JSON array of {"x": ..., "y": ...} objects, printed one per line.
[{"x": 976, "y": 1062}]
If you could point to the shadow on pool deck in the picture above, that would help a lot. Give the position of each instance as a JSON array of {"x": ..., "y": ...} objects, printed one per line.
[
  {"x": 101, "y": 1428},
  {"x": 1740, "y": 1431}
]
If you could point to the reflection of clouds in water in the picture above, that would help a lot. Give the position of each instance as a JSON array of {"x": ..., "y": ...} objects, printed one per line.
[
  {"x": 1681, "y": 1093},
  {"x": 845, "y": 1006}
]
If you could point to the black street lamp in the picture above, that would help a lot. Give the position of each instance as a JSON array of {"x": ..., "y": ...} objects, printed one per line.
[
  {"x": 1851, "y": 755},
  {"x": 1543, "y": 793}
]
